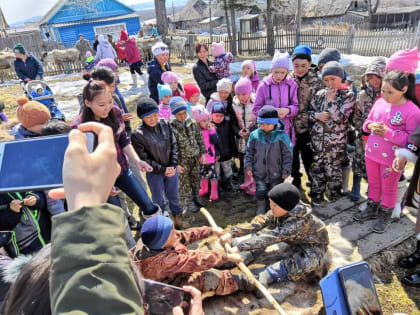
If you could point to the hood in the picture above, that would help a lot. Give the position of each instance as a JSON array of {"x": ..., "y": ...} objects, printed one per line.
[
  {"x": 268, "y": 80},
  {"x": 299, "y": 211},
  {"x": 12, "y": 270},
  {"x": 377, "y": 67},
  {"x": 105, "y": 44}
]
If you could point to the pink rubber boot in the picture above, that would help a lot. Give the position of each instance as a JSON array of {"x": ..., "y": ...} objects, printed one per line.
[
  {"x": 251, "y": 188},
  {"x": 214, "y": 195},
  {"x": 246, "y": 183},
  {"x": 204, "y": 187}
]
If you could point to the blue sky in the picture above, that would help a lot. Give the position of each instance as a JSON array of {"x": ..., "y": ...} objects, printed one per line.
[{"x": 17, "y": 10}]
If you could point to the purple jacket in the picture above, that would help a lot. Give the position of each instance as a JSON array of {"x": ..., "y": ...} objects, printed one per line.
[{"x": 289, "y": 99}]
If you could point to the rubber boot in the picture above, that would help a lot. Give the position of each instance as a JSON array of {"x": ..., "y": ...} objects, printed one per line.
[
  {"x": 246, "y": 183},
  {"x": 345, "y": 176},
  {"x": 371, "y": 212},
  {"x": 134, "y": 77},
  {"x": 384, "y": 220},
  {"x": 251, "y": 188},
  {"x": 158, "y": 212},
  {"x": 198, "y": 201},
  {"x": 411, "y": 260},
  {"x": 401, "y": 190},
  {"x": 204, "y": 187},
  {"x": 261, "y": 206},
  {"x": 214, "y": 195},
  {"x": 355, "y": 191}
]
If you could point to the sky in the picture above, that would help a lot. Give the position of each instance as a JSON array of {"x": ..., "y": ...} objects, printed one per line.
[{"x": 18, "y": 10}]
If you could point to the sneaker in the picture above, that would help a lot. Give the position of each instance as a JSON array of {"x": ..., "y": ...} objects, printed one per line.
[
  {"x": 370, "y": 213},
  {"x": 317, "y": 200}
]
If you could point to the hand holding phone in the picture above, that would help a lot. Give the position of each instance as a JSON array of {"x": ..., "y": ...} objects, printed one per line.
[{"x": 196, "y": 304}]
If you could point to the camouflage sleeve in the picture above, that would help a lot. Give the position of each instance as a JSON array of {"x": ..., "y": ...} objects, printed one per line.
[
  {"x": 342, "y": 115},
  {"x": 192, "y": 235},
  {"x": 199, "y": 138},
  {"x": 259, "y": 222},
  {"x": 359, "y": 111},
  {"x": 315, "y": 106}
]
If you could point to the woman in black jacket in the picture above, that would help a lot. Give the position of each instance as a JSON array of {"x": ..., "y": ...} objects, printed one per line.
[{"x": 205, "y": 79}]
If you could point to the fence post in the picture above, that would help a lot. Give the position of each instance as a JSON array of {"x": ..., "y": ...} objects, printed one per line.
[
  {"x": 191, "y": 42},
  {"x": 239, "y": 43},
  {"x": 350, "y": 39}
]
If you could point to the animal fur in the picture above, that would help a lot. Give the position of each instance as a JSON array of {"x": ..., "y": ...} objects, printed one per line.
[{"x": 13, "y": 269}]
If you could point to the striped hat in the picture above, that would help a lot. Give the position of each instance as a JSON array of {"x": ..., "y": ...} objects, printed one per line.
[{"x": 177, "y": 104}]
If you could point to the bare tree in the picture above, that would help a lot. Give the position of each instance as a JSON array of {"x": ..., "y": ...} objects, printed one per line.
[
  {"x": 226, "y": 8},
  {"x": 233, "y": 22},
  {"x": 161, "y": 18},
  {"x": 270, "y": 28}
]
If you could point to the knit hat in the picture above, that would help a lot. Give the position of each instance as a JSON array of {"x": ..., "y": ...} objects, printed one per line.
[
  {"x": 329, "y": 54},
  {"x": 217, "y": 49},
  {"x": 280, "y": 60},
  {"x": 302, "y": 52},
  {"x": 177, "y": 104},
  {"x": 218, "y": 108},
  {"x": 333, "y": 68},
  {"x": 19, "y": 48},
  {"x": 224, "y": 85},
  {"x": 190, "y": 89},
  {"x": 146, "y": 106},
  {"x": 124, "y": 35},
  {"x": 155, "y": 232},
  {"x": 404, "y": 60},
  {"x": 169, "y": 76},
  {"x": 268, "y": 115},
  {"x": 109, "y": 63},
  {"x": 163, "y": 90},
  {"x": 377, "y": 67},
  {"x": 251, "y": 64},
  {"x": 199, "y": 113},
  {"x": 159, "y": 48},
  {"x": 88, "y": 54},
  {"x": 31, "y": 113},
  {"x": 285, "y": 195},
  {"x": 244, "y": 86}
]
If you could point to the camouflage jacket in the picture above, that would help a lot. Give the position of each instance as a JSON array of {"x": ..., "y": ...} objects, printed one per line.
[
  {"x": 189, "y": 139},
  {"x": 331, "y": 136},
  {"x": 307, "y": 88},
  {"x": 298, "y": 227},
  {"x": 364, "y": 103}
]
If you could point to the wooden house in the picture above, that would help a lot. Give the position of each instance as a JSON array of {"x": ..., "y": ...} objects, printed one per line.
[
  {"x": 3, "y": 25},
  {"x": 69, "y": 18}
]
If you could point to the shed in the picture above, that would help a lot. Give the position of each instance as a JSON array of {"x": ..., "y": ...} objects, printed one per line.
[
  {"x": 69, "y": 18},
  {"x": 3, "y": 24},
  {"x": 396, "y": 17}
]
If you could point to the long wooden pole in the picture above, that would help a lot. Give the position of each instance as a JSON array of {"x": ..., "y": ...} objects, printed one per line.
[{"x": 246, "y": 271}]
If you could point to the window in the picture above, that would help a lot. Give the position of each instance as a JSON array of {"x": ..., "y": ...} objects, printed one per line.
[{"x": 112, "y": 29}]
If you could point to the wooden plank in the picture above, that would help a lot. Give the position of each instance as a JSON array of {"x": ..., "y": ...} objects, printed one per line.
[{"x": 332, "y": 209}]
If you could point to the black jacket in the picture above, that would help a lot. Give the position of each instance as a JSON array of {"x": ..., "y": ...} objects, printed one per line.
[
  {"x": 156, "y": 145},
  {"x": 155, "y": 73},
  {"x": 205, "y": 79},
  {"x": 226, "y": 148}
]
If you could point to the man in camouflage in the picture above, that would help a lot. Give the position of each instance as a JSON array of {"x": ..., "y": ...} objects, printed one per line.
[
  {"x": 290, "y": 222},
  {"x": 329, "y": 114},
  {"x": 306, "y": 77}
]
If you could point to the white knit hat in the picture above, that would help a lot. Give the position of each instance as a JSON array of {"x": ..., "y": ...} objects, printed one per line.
[
  {"x": 159, "y": 48},
  {"x": 224, "y": 85}
]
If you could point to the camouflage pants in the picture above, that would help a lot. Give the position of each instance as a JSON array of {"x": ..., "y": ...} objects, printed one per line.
[
  {"x": 326, "y": 170},
  {"x": 189, "y": 179},
  {"x": 359, "y": 165}
]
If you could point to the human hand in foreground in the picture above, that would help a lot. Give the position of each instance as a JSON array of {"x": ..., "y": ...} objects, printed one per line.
[
  {"x": 196, "y": 304},
  {"x": 323, "y": 117},
  {"x": 226, "y": 239},
  {"x": 30, "y": 201},
  {"x": 398, "y": 164},
  {"x": 283, "y": 112}
]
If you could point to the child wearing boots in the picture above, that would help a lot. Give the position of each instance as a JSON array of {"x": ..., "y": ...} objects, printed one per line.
[
  {"x": 192, "y": 96},
  {"x": 170, "y": 78},
  {"x": 268, "y": 155},
  {"x": 208, "y": 170},
  {"x": 249, "y": 70},
  {"x": 390, "y": 122},
  {"x": 155, "y": 143},
  {"x": 369, "y": 94},
  {"x": 221, "y": 60},
  {"x": 329, "y": 115},
  {"x": 243, "y": 104},
  {"x": 165, "y": 95},
  {"x": 191, "y": 153}
]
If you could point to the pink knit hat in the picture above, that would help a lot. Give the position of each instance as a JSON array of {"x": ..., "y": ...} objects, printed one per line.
[
  {"x": 249, "y": 63},
  {"x": 199, "y": 113},
  {"x": 404, "y": 60},
  {"x": 280, "y": 60},
  {"x": 217, "y": 49},
  {"x": 169, "y": 76},
  {"x": 244, "y": 86}
]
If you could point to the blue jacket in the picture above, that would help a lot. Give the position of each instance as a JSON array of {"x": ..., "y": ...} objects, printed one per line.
[
  {"x": 30, "y": 69},
  {"x": 49, "y": 101},
  {"x": 155, "y": 72},
  {"x": 269, "y": 155},
  {"x": 21, "y": 132}
]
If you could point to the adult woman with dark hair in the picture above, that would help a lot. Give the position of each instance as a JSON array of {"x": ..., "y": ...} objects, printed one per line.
[
  {"x": 205, "y": 79},
  {"x": 99, "y": 106}
]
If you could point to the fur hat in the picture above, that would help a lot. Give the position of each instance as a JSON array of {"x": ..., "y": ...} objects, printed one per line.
[
  {"x": 169, "y": 76},
  {"x": 280, "y": 60},
  {"x": 329, "y": 54},
  {"x": 268, "y": 115},
  {"x": 251, "y": 64},
  {"x": 190, "y": 89},
  {"x": 146, "y": 106},
  {"x": 224, "y": 85},
  {"x": 199, "y": 113},
  {"x": 217, "y": 49},
  {"x": 159, "y": 48},
  {"x": 31, "y": 113},
  {"x": 244, "y": 86},
  {"x": 404, "y": 60},
  {"x": 124, "y": 35},
  {"x": 285, "y": 195},
  {"x": 155, "y": 232},
  {"x": 333, "y": 68},
  {"x": 163, "y": 90},
  {"x": 177, "y": 104},
  {"x": 302, "y": 52}
]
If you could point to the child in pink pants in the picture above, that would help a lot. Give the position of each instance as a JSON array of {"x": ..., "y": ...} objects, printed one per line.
[{"x": 391, "y": 121}]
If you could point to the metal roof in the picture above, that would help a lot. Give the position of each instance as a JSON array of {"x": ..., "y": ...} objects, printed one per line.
[{"x": 112, "y": 18}]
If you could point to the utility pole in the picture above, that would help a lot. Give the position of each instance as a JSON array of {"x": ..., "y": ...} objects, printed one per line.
[
  {"x": 298, "y": 22},
  {"x": 211, "y": 25},
  {"x": 173, "y": 9}
]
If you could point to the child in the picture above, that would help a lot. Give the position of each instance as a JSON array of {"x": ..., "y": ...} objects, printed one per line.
[
  {"x": 268, "y": 155},
  {"x": 165, "y": 95},
  {"x": 290, "y": 222},
  {"x": 90, "y": 61},
  {"x": 221, "y": 60},
  {"x": 192, "y": 96},
  {"x": 243, "y": 104},
  {"x": 329, "y": 114},
  {"x": 279, "y": 90},
  {"x": 226, "y": 148},
  {"x": 208, "y": 170},
  {"x": 371, "y": 91},
  {"x": 306, "y": 77},
  {"x": 165, "y": 257},
  {"x": 191, "y": 152},
  {"x": 171, "y": 79},
  {"x": 249, "y": 70},
  {"x": 3, "y": 116},
  {"x": 390, "y": 122},
  {"x": 49, "y": 102},
  {"x": 155, "y": 143}
]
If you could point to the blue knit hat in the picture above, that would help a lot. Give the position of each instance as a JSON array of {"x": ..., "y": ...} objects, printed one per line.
[
  {"x": 155, "y": 231},
  {"x": 302, "y": 52},
  {"x": 146, "y": 106},
  {"x": 163, "y": 90},
  {"x": 218, "y": 108},
  {"x": 268, "y": 115},
  {"x": 177, "y": 104}
]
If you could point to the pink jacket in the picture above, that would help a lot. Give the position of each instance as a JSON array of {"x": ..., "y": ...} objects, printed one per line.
[
  {"x": 164, "y": 111},
  {"x": 132, "y": 54},
  {"x": 255, "y": 80},
  {"x": 207, "y": 135},
  {"x": 287, "y": 90},
  {"x": 401, "y": 120}
]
